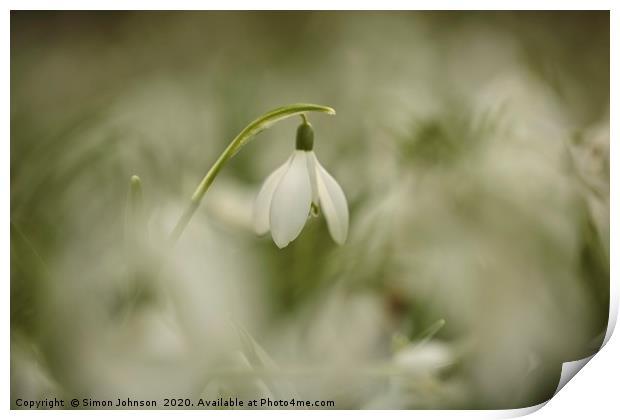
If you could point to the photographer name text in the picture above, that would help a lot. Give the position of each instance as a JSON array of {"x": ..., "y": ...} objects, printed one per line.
[{"x": 54, "y": 403}]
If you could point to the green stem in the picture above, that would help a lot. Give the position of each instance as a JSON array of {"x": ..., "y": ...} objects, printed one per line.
[{"x": 255, "y": 127}]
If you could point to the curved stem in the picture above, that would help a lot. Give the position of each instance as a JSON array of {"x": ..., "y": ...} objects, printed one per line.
[{"x": 255, "y": 127}]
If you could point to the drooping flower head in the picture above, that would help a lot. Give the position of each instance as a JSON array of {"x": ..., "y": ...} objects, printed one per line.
[{"x": 291, "y": 192}]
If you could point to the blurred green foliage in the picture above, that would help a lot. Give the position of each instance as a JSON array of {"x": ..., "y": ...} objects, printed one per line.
[{"x": 474, "y": 151}]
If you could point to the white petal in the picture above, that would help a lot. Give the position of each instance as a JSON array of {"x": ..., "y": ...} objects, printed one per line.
[
  {"x": 263, "y": 199},
  {"x": 334, "y": 204},
  {"x": 312, "y": 171},
  {"x": 291, "y": 201}
]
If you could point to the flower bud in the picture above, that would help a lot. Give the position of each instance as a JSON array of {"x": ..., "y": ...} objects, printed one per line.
[{"x": 305, "y": 137}]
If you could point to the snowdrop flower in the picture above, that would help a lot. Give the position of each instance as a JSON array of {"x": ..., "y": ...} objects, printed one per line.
[{"x": 296, "y": 189}]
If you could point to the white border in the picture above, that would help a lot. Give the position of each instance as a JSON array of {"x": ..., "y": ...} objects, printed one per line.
[
  {"x": 593, "y": 394},
  {"x": 309, "y": 5}
]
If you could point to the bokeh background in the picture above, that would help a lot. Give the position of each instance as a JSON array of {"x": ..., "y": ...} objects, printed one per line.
[{"x": 473, "y": 149}]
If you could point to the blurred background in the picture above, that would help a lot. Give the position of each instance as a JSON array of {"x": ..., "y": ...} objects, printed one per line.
[{"x": 474, "y": 152}]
